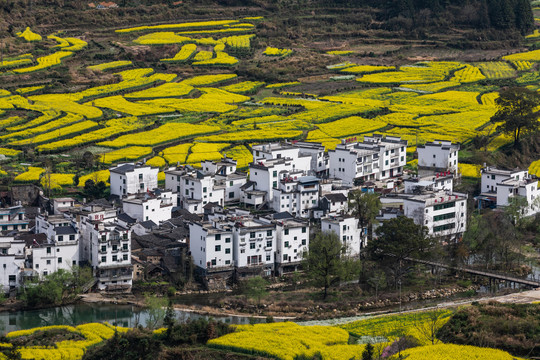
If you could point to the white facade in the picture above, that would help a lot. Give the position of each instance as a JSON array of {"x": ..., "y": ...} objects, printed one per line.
[
  {"x": 346, "y": 228},
  {"x": 12, "y": 261},
  {"x": 503, "y": 185},
  {"x": 376, "y": 158},
  {"x": 438, "y": 182},
  {"x": 438, "y": 155},
  {"x": 62, "y": 204},
  {"x": 443, "y": 213},
  {"x": 13, "y": 218},
  {"x": 132, "y": 179},
  {"x": 298, "y": 197},
  {"x": 110, "y": 256},
  {"x": 292, "y": 242},
  {"x": 152, "y": 207},
  {"x": 198, "y": 189},
  {"x": 211, "y": 245},
  {"x": 254, "y": 244}
]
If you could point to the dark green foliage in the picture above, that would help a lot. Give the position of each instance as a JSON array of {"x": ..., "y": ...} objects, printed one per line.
[
  {"x": 510, "y": 327},
  {"x": 367, "y": 354},
  {"x": 95, "y": 191},
  {"x": 134, "y": 345},
  {"x": 517, "y": 111},
  {"x": 197, "y": 332}
]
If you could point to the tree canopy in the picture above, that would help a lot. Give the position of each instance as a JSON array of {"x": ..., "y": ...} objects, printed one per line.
[{"x": 517, "y": 111}]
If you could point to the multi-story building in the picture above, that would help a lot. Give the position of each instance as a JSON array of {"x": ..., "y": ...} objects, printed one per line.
[
  {"x": 297, "y": 196},
  {"x": 12, "y": 262},
  {"x": 153, "y": 206},
  {"x": 254, "y": 245},
  {"x": 132, "y": 179},
  {"x": 211, "y": 245},
  {"x": 443, "y": 181},
  {"x": 110, "y": 256},
  {"x": 13, "y": 218},
  {"x": 346, "y": 228},
  {"x": 198, "y": 189},
  {"x": 292, "y": 241},
  {"x": 61, "y": 249},
  {"x": 377, "y": 158},
  {"x": 437, "y": 156},
  {"x": 334, "y": 203},
  {"x": 499, "y": 186},
  {"x": 443, "y": 213}
]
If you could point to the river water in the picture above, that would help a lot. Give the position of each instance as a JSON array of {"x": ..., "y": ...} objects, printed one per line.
[{"x": 75, "y": 314}]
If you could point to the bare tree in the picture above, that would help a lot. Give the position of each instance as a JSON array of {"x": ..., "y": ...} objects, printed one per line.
[{"x": 427, "y": 324}]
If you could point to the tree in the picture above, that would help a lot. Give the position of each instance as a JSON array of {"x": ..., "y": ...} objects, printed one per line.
[
  {"x": 365, "y": 207},
  {"x": 255, "y": 288},
  {"x": 324, "y": 259},
  {"x": 367, "y": 354},
  {"x": 517, "y": 111},
  {"x": 156, "y": 310},
  {"x": 93, "y": 191},
  {"x": 398, "y": 239},
  {"x": 428, "y": 323},
  {"x": 378, "y": 281}
]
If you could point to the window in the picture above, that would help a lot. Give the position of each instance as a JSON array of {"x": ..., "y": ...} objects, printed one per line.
[
  {"x": 304, "y": 242},
  {"x": 227, "y": 250},
  {"x": 71, "y": 237},
  {"x": 274, "y": 184},
  {"x": 286, "y": 244},
  {"x": 286, "y": 231},
  {"x": 242, "y": 251},
  {"x": 37, "y": 266},
  {"x": 274, "y": 174},
  {"x": 103, "y": 237},
  {"x": 227, "y": 262},
  {"x": 444, "y": 216},
  {"x": 218, "y": 247},
  {"x": 48, "y": 250},
  {"x": 231, "y": 194},
  {"x": 114, "y": 248},
  {"x": 60, "y": 238},
  {"x": 213, "y": 262},
  {"x": 45, "y": 273},
  {"x": 252, "y": 245},
  {"x": 74, "y": 262},
  {"x": 125, "y": 247},
  {"x": 444, "y": 227},
  {"x": 444, "y": 206},
  {"x": 115, "y": 258},
  {"x": 252, "y": 235},
  {"x": 146, "y": 207},
  {"x": 140, "y": 177},
  {"x": 59, "y": 260},
  {"x": 103, "y": 248},
  {"x": 269, "y": 243},
  {"x": 386, "y": 162},
  {"x": 48, "y": 262},
  {"x": 268, "y": 257},
  {"x": 204, "y": 189},
  {"x": 228, "y": 240},
  {"x": 285, "y": 257},
  {"x": 303, "y": 230},
  {"x": 141, "y": 186},
  {"x": 268, "y": 232},
  {"x": 218, "y": 236},
  {"x": 231, "y": 183},
  {"x": 344, "y": 227},
  {"x": 103, "y": 259}
]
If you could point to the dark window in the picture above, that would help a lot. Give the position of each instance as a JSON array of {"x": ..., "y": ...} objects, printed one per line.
[
  {"x": 252, "y": 245},
  {"x": 286, "y": 231},
  {"x": 227, "y": 250},
  {"x": 59, "y": 260},
  {"x": 218, "y": 247},
  {"x": 218, "y": 236},
  {"x": 304, "y": 230},
  {"x": 268, "y": 232}
]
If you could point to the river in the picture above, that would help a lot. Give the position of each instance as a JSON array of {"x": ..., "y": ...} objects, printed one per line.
[{"x": 80, "y": 313}]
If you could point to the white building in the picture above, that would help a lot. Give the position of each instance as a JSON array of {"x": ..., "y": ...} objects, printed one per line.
[
  {"x": 61, "y": 205},
  {"x": 299, "y": 196},
  {"x": 438, "y": 156},
  {"x": 198, "y": 189},
  {"x": 292, "y": 242},
  {"x": 499, "y": 186},
  {"x": 334, "y": 203},
  {"x": 132, "y": 179},
  {"x": 376, "y": 158},
  {"x": 62, "y": 248},
  {"x": 254, "y": 246},
  {"x": 211, "y": 245},
  {"x": 155, "y": 206},
  {"x": 443, "y": 181},
  {"x": 110, "y": 256},
  {"x": 12, "y": 262},
  {"x": 443, "y": 213},
  {"x": 13, "y": 218},
  {"x": 346, "y": 228}
]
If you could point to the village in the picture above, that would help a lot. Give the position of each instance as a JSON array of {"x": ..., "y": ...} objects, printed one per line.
[{"x": 226, "y": 225}]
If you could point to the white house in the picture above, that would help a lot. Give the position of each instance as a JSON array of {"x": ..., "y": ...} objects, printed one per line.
[
  {"x": 377, "y": 158},
  {"x": 334, "y": 203},
  {"x": 254, "y": 245},
  {"x": 443, "y": 213},
  {"x": 154, "y": 206},
  {"x": 443, "y": 181},
  {"x": 211, "y": 245},
  {"x": 438, "y": 156},
  {"x": 61, "y": 249},
  {"x": 292, "y": 242},
  {"x": 132, "y": 179},
  {"x": 12, "y": 262},
  {"x": 110, "y": 256},
  {"x": 346, "y": 228},
  {"x": 63, "y": 204},
  {"x": 499, "y": 186},
  {"x": 297, "y": 196},
  {"x": 198, "y": 189},
  {"x": 13, "y": 218}
]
